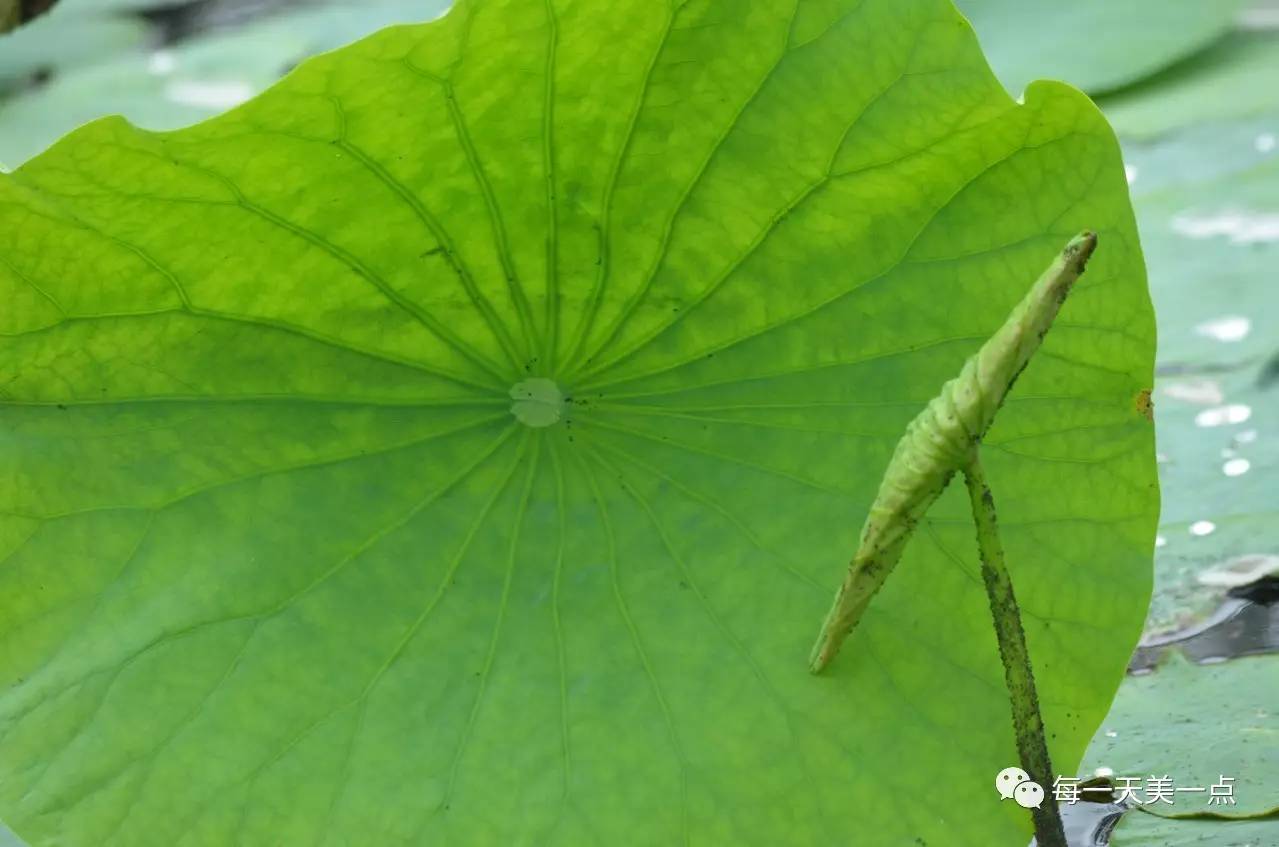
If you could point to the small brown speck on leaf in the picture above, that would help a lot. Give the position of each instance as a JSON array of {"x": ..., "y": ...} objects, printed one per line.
[{"x": 1145, "y": 405}]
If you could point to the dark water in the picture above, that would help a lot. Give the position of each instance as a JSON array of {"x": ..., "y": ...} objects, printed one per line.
[
  {"x": 1246, "y": 624},
  {"x": 1089, "y": 824}
]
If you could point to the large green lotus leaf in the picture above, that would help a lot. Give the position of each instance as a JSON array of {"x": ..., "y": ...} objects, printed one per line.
[
  {"x": 1098, "y": 45},
  {"x": 189, "y": 81},
  {"x": 1196, "y": 724},
  {"x": 282, "y": 567},
  {"x": 1230, "y": 80}
]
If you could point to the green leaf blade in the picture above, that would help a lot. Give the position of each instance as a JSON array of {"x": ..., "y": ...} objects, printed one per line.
[{"x": 317, "y": 583}]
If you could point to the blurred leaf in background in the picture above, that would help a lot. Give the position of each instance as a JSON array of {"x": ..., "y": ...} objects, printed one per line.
[
  {"x": 75, "y": 33},
  {"x": 1206, "y": 199},
  {"x": 1176, "y": 722},
  {"x": 164, "y": 66},
  {"x": 15, "y": 13},
  {"x": 1097, "y": 45},
  {"x": 1147, "y": 830},
  {"x": 1233, "y": 79}
]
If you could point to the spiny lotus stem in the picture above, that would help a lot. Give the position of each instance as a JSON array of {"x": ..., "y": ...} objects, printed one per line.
[
  {"x": 943, "y": 439},
  {"x": 1019, "y": 674}
]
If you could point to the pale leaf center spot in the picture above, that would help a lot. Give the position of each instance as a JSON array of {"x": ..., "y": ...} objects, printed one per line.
[{"x": 538, "y": 402}]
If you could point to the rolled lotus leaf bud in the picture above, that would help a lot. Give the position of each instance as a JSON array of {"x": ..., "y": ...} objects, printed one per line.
[{"x": 942, "y": 439}]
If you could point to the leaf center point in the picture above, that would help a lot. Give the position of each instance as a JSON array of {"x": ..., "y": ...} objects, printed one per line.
[{"x": 538, "y": 402}]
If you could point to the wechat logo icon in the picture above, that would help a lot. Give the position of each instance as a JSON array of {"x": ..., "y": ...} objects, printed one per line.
[{"x": 1015, "y": 784}]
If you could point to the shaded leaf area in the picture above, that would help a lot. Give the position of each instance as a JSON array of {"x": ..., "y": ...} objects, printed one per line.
[
  {"x": 1097, "y": 45},
  {"x": 280, "y": 566},
  {"x": 1195, "y": 724},
  {"x": 93, "y": 61}
]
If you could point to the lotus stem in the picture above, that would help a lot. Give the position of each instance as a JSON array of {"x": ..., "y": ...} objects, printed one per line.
[{"x": 1019, "y": 676}]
